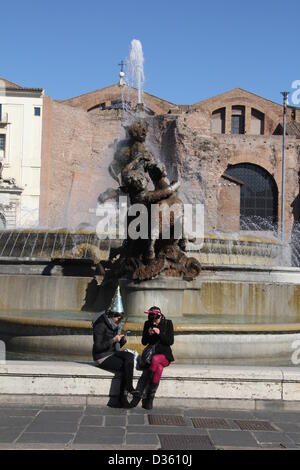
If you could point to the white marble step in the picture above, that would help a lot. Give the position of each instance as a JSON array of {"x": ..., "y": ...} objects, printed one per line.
[{"x": 179, "y": 381}]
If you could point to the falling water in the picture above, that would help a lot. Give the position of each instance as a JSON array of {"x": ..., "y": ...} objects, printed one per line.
[{"x": 135, "y": 66}]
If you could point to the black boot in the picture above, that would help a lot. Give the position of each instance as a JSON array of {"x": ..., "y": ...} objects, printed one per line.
[
  {"x": 120, "y": 401},
  {"x": 123, "y": 396},
  {"x": 147, "y": 403},
  {"x": 141, "y": 386},
  {"x": 124, "y": 401},
  {"x": 114, "y": 402}
]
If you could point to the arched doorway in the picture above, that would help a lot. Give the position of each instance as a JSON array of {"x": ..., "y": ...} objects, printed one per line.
[{"x": 259, "y": 197}]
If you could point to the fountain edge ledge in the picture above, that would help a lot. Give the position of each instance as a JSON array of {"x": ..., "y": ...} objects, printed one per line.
[
  {"x": 135, "y": 327},
  {"x": 182, "y": 384}
]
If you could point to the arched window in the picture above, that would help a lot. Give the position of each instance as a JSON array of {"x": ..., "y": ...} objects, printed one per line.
[
  {"x": 257, "y": 122},
  {"x": 238, "y": 120},
  {"x": 259, "y": 197},
  {"x": 218, "y": 121}
]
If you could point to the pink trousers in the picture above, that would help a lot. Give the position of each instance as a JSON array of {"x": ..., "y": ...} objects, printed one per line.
[{"x": 159, "y": 361}]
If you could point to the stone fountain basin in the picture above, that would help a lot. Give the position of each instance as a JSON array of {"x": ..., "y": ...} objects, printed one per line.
[
  {"x": 30, "y": 337},
  {"x": 229, "y": 315}
]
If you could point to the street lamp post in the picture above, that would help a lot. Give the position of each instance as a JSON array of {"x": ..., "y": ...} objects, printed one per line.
[{"x": 285, "y": 102}]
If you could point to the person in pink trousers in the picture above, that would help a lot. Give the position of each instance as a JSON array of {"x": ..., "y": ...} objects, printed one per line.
[{"x": 159, "y": 331}]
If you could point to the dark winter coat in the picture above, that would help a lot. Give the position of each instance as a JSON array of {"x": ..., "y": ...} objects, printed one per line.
[
  {"x": 165, "y": 339},
  {"x": 103, "y": 333}
]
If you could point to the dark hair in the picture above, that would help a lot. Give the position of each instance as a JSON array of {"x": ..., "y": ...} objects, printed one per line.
[
  {"x": 110, "y": 313},
  {"x": 151, "y": 309},
  {"x": 153, "y": 316}
]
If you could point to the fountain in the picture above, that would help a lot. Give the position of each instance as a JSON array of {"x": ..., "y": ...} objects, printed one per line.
[
  {"x": 136, "y": 68},
  {"x": 229, "y": 299}
]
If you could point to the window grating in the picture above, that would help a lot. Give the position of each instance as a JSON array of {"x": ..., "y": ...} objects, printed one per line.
[{"x": 259, "y": 197}]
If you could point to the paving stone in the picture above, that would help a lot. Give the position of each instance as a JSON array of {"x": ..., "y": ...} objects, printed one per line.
[
  {"x": 150, "y": 439},
  {"x": 285, "y": 417},
  {"x": 136, "y": 419},
  {"x": 98, "y": 435},
  {"x": 279, "y": 417},
  {"x": 10, "y": 435},
  {"x": 57, "y": 416},
  {"x": 287, "y": 427},
  {"x": 264, "y": 437},
  {"x": 92, "y": 420},
  {"x": 114, "y": 441},
  {"x": 232, "y": 438},
  {"x": 56, "y": 427},
  {"x": 20, "y": 406},
  {"x": 165, "y": 411},
  {"x": 103, "y": 430},
  {"x": 94, "y": 410},
  {"x": 137, "y": 410},
  {"x": 115, "y": 420},
  {"x": 18, "y": 412},
  {"x": 51, "y": 438},
  {"x": 295, "y": 436},
  {"x": 14, "y": 421},
  {"x": 64, "y": 408},
  {"x": 164, "y": 429}
]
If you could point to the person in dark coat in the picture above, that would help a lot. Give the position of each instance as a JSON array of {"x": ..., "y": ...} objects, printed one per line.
[
  {"x": 108, "y": 340},
  {"x": 159, "y": 331}
]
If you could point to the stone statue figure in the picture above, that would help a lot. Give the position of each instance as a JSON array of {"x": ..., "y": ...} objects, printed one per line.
[
  {"x": 134, "y": 167},
  {"x": 6, "y": 181},
  {"x": 127, "y": 151}
]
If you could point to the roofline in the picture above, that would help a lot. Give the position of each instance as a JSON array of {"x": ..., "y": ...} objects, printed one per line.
[
  {"x": 110, "y": 86},
  {"x": 15, "y": 87},
  {"x": 22, "y": 89},
  {"x": 85, "y": 94},
  {"x": 246, "y": 91},
  {"x": 13, "y": 83}
]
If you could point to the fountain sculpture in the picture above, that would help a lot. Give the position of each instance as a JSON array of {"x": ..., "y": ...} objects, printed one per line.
[{"x": 140, "y": 259}]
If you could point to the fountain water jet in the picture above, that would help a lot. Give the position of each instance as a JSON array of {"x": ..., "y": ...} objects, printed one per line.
[{"x": 135, "y": 65}]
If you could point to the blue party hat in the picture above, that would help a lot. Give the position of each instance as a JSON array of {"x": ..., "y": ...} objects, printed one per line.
[{"x": 117, "y": 304}]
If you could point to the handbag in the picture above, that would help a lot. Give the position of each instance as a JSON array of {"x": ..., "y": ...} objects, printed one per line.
[{"x": 144, "y": 360}]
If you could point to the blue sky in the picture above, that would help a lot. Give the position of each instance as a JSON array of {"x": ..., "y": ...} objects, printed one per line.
[{"x": 193, "y": 49}]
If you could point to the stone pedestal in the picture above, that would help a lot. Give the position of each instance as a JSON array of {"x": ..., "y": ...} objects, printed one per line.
[{"x": 174, "y": 296}]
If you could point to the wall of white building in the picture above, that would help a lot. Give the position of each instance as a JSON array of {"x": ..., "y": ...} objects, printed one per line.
[{"x": 22, "y": 158}]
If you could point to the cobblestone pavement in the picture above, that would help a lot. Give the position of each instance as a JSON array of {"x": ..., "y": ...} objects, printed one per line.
[{"x": 100, "y": 427}]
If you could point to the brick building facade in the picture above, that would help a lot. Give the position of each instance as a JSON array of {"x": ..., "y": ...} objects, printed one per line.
[{"x": 226, "y": 151}]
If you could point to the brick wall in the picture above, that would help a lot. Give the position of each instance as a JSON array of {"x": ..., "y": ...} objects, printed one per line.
[{"x": 77, "y": 149}]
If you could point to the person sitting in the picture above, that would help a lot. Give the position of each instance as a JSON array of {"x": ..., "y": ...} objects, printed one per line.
[
  {"x": 159, "y": 331},
  {"x": 107, "y": 355}
]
